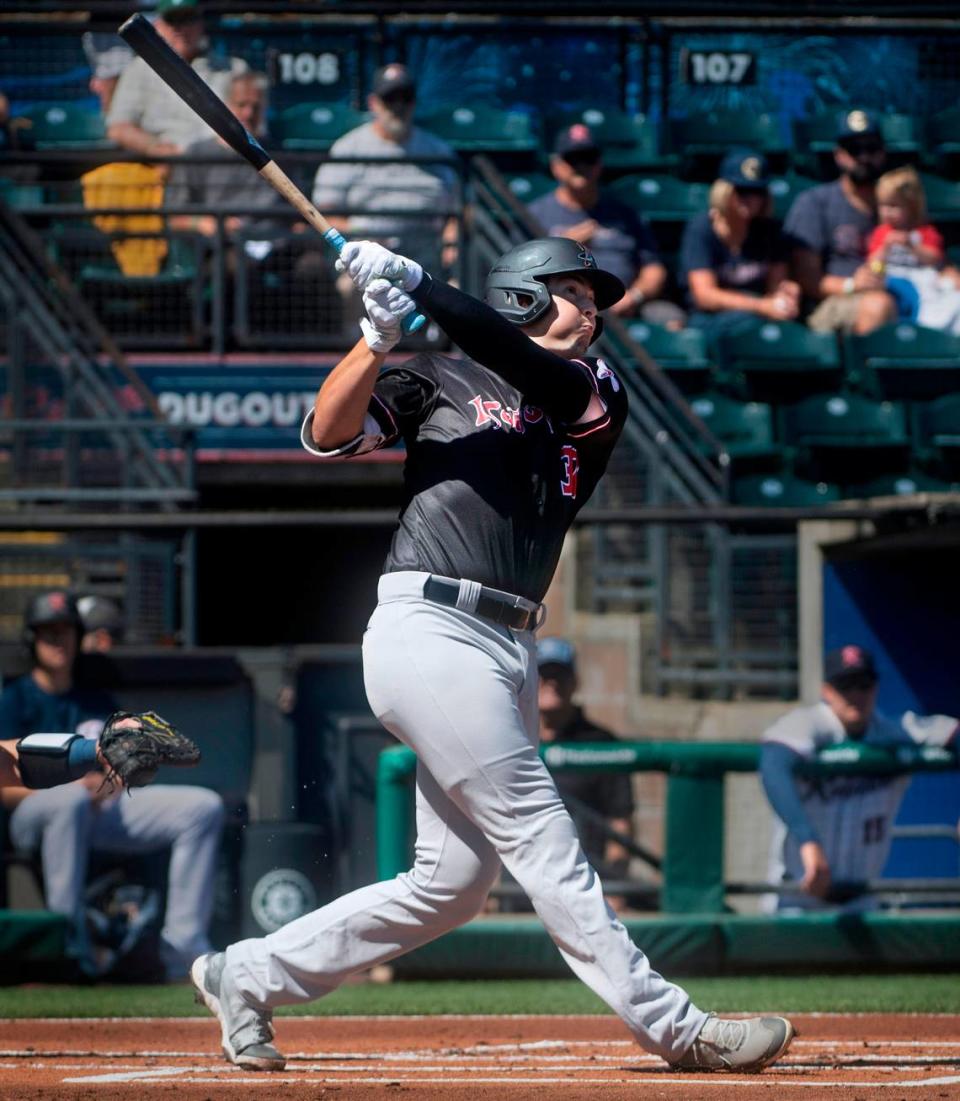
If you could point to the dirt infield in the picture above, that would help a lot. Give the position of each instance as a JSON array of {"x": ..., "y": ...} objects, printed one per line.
[{"x": 855, "y": 1057}]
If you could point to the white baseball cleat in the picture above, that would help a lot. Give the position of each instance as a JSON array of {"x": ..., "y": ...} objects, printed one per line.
[
  {"x": 246, "y": 1034},
  {"x": 745, "y": 1046}
]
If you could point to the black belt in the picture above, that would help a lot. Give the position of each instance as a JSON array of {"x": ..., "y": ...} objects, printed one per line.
[{"x": 500, "y": 607}]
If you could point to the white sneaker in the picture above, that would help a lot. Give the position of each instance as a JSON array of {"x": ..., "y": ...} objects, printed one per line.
[
  {"x": 246, "y": 1034},
  {"x": 745, "y": 1046}
]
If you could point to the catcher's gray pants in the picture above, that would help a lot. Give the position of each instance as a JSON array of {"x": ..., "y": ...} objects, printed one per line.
[
  {"x": 64, "y": 824},
  {"x": 462, "y": 692}
]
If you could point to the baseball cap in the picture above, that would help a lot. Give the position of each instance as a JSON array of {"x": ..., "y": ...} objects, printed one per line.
[
  {"x": 858, "y": 123},
  {"x": 55, "y": 606},
  {"x": 556, "y": 651},
  {"x": 848, "y": 663},
  {"x": 182, "y": 11},
  {"x": 578, "y": 138},
  {"x": 96, "y": 613},
  {"x": 746, "y": 170},
  {"x": 392, "y": 78}
]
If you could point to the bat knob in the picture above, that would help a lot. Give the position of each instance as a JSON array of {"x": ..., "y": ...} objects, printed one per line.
[{"x": 413, "y": 323}]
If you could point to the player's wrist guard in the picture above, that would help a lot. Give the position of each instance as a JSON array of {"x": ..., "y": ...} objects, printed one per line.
[
  {"x": 44, "y": 759},
  {"x": 379, "y": 340}
]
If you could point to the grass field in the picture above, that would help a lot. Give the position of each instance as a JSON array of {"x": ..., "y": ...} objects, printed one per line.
[{"x": 816, "y": 993}]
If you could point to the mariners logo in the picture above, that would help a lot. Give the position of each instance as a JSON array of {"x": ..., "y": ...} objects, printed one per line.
[
  {"x": 750, "y": 168},
  {"x": 280, "y": 896}
]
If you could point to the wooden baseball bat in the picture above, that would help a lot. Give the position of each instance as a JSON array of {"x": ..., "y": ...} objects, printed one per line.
[{"x": 138, "y": 32}]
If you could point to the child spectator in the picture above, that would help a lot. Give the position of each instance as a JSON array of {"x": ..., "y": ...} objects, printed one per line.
[{"x": 909, "y": 251}]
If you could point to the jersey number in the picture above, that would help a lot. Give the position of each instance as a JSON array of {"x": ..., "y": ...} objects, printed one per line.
[
  {"x": 873, "y": 830},
  {"x": 571, "y": 468}
]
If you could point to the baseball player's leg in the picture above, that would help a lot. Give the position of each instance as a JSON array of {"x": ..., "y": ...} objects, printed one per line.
[
  {"x": 457, "y": 689},
  {"x": 57, "y": 823},
  {"x": 188, "y": 819},
  {"x": 454, "y": 870}
]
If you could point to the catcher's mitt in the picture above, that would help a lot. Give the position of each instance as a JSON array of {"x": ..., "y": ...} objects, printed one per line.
[{"x": 133, "y": 747}]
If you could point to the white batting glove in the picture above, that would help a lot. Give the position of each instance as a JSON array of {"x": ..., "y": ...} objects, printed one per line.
[
  {"x": 386, "y": 306},
  {"x": 365, "y": 261}
]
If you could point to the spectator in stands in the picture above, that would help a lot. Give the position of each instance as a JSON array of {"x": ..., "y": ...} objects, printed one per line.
[
  {"x": 828, "y": 227},
  {"x": 65, "y": 823},
  {"x": 108, "y": 55},
  {"x": 101, "y": 624},
  {"x": 146, "y": 115},
  {"x": 909, "y": 252},
  {"x": 599, "y": 802},
  {"x": 834, "y": 832},
  {"x": 427, "y": 193},
  {"x": 618, "y": 237},
  {"x": 733, "y": 258}
]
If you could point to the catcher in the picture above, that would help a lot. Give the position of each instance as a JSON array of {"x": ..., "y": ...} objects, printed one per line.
[{"x": 65, "y": 821}]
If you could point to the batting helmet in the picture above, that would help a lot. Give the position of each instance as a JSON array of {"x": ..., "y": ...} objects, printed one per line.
[
  {"x": 56, "y": 606},
  {"x": 524, "y": 269}
]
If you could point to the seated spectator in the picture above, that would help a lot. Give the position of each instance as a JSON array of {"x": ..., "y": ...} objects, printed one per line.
[
  {"x": 146, "y": 115},
  {"x": 599, "y": 802},
  {"x": 835, "y": 832},
  {"x": 66, "y": 823},
  {"x": 909, "y": 252},
  {"x": 828, "y": 227},
  {"x": 108, "y": 55},
  {"x": 426, "y": 193},
  {"x": 733, "y": 258},
  {"x": 618, "y": 237}
]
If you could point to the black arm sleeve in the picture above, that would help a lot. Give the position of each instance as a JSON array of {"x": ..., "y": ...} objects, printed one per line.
[{"x": 557, "y": 385}]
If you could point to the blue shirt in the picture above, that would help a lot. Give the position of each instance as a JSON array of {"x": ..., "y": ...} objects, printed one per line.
[
  {"x": 623, "y": 242},
  {"x": 746, "y": 270},
  {"x": 824, "y": 221},
  {"x": 26, "y": 709}
]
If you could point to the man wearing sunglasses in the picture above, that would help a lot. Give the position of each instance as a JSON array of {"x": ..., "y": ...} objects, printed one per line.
[
  {"x": 362, "y": 200},
  {"x": 615, "y": 233},
  {"x": 835, "y": 830},
  {"x": 829, "y": 226}
]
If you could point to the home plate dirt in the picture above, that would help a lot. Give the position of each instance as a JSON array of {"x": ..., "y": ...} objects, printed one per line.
[{"x": 854, "y": 1057}]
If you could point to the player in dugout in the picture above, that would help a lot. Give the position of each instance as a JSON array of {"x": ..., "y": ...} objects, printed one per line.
[
  {"x": 834, "y": 833},
  {"x": 504, "y": 446}
]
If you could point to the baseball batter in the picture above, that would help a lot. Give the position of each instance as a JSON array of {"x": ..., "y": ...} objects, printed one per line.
[
  {"x": 503, "y": 449},
  {"x": 835, "y": 829}
]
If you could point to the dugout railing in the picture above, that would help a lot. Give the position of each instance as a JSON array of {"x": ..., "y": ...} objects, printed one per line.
[{"x": 692, "y": 863}]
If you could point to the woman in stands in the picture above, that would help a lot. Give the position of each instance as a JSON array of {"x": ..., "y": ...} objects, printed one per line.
[{"x": 733, "y": 259}]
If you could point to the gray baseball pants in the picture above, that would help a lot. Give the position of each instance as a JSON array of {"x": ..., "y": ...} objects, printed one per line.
[
  {"x": 462, "y": 692},
  {"x": 64, "y": 825}
]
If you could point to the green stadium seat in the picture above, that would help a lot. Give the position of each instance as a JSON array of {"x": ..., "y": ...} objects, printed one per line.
[
  {"x": 938, "y": 434},
  {"x": 662, "y": 198},
  {"x": 527, "y": 186},
  {"x": 629, "y": 142},
  {"x": 782, "y": 491},
  {"x": 943, "y": 198},
  {"x": 315, "y": 126},
  {"x": 477, "y": 128},
  {"x": 904, "y": 360},
  {"x": 744, "y": 428},
  {"x": 780, "y": 360},
  {"x": 20, "y": 196},
  {"x": 943, "y": 140},
  {"x": 701, "y": 140},
  {"x": 681, "y": 355},
  {"x": 904, "y": 484},
  {"x": 846, "y": 437},
  {"x": 784, "y": 189},
  {"x": 66, "y": 126}
]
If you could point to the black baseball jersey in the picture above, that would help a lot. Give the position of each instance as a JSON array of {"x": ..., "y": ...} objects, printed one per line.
[{"x": 492, "y": 483}]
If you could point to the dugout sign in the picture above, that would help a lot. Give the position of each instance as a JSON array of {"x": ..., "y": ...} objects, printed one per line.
[{"x": 718, "y": 67}]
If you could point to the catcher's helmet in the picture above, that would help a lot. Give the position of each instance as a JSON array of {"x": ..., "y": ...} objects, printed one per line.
[
  {"x": 523, "y": 269},
  {"x": 55, "y": 606}
]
